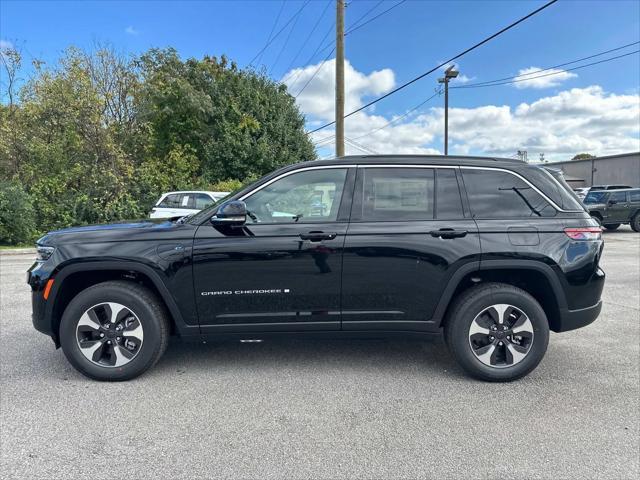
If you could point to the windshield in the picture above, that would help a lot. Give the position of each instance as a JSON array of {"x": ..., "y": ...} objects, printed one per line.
[{"x": 595, "y": 197}]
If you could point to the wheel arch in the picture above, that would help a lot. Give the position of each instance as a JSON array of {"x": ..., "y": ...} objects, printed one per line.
[
  {"x": 72, "y": 279},
  {"x": 536, "y": 278}
]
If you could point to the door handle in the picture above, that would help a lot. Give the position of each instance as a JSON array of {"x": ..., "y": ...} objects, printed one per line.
[
  {"x": 318, "y": 236},
  {"x": 448, "y": 233}
]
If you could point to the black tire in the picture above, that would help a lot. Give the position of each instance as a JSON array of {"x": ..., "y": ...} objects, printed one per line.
[
  {"x": 150, "y": 312},
  {"x": 597, "y": 218},
  {"x": 612, "y": 226},
  {"x": 635, "y": 222},
  {"x": 474, "y": 301}
]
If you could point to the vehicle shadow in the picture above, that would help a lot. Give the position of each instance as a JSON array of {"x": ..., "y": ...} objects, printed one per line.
[{"x": 428, "y": 355}]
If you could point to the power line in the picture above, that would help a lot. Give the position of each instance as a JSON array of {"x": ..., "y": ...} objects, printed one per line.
[
  {"x": 488, "y": 82},
  {"x": 316, "y": 72},
  {"x": 360, "y": 146},
  {"x": 354, "y": 28},
  {"x": 549, "y": 74},
  {"x": 318, "y": 49},
  {"x": 415, "y": 79},
  {"x": 273, "y": 27},
  {"x": 366, "y": 13},
  {"x": 293, "y": 17},
  {"x": 286, "y": 42},
  {"x": 397, "y": 119},
  {"x": 304, "y": 44}
]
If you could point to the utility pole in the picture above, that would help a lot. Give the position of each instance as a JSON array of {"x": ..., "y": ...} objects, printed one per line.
[
  {"x": 339, "y": 78},
  {"x": 449, "y": 73}
]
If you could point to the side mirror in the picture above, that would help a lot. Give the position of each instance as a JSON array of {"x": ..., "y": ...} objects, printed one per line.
[
  {"x": 233, "y": 212},
  {"x": 611, "y": 202}
]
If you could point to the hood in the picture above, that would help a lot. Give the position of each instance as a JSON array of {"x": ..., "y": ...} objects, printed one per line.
[{"x": 118, "y": 231}]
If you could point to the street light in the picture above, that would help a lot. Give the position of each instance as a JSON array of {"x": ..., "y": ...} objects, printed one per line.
[{"x": 449, "y": 73}]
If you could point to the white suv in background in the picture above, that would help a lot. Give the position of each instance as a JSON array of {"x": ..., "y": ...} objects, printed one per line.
[{"x": 179, "y": 204}]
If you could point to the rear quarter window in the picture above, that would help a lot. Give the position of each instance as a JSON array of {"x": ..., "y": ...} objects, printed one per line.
[{"x": 498, "y": 194}]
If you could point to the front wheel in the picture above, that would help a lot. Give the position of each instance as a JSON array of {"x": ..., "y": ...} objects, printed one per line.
[
  {"x": 114, "y": 331},
  {"x": 612, "y": 226},
  {"x": 497, "y": 332}
]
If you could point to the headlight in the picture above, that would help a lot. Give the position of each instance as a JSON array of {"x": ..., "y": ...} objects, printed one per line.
[{"x": 44, "y": 253}]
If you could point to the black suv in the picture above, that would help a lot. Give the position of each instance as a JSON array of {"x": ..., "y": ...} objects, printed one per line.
[
  {"x": 612, "y": 208},
  {"x": 494, "y": 252}
]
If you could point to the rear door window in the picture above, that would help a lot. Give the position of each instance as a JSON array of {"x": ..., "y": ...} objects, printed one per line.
[
  {"x": 203, "y": 201},
  {"x": 497, "y": 194},
  {"x": 395, "y": 194},
  {"x": 635, "y": 196}
]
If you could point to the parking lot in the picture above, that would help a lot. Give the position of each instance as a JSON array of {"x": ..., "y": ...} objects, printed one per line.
[{"x": 326, "y": 408}]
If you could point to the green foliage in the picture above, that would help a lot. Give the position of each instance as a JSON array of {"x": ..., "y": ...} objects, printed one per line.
[
  {"x": 583, "y": 156},
  {"x": 99, "y": 137},
  {"x": 17, "y": 216}
]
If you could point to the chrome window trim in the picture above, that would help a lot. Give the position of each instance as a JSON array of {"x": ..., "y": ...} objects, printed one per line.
[
  {"x": 397, "y": 165},
  {"x": 291, "y": 172}
]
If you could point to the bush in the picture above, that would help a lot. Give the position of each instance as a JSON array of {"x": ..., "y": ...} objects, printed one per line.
[{"x": 17, "y": 216}]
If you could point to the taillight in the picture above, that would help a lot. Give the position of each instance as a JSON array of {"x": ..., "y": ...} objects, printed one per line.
[{"x": 584, "y": 233}]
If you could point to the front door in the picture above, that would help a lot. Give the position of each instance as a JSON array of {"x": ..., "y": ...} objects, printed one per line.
[
  {"x": 617, "y": 208},
  {"x": 404, "y": 243},
  {"x": 282, "y": 270}
]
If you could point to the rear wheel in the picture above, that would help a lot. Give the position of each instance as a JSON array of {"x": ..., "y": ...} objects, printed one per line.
[
  {"x": 612, "y": 226},
  {"x": 114, "y": 331},
  {"x": 635, "y": 222},
  {"x": 497, "y": 332},
  {"x": 597, "y": 218}
]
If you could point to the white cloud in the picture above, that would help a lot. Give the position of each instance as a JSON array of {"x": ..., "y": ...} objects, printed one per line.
[
  {"x": 5, "y": 44},
  {"x": 317, "y": 99},
  {"x": 131, "y": 31},
  {"x": 571, "y": 121},
  {"x": 549, "y": 78}
]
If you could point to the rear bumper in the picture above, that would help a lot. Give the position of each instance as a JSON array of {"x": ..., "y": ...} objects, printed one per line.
[{"x": 572, "y": 319}]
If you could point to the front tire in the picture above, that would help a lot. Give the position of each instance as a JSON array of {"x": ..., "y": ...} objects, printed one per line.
[
  {"x": 612, "y": 226},
  {"x": 114, "y": 331},
  {"x": 497, "y": 332}
]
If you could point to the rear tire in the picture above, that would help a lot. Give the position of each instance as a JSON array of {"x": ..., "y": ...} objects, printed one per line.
[
  {"x": 612, "y": 226},
  {"x": 635, "y": 222},
  {"x": 501, "y": 355},
  {"x": 114, "y": 331},
  {"x": 597, "y": 218}
]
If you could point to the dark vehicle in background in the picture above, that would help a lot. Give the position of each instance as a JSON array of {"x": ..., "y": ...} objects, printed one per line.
[
  {"x": 494, "y": 253},
  {"x": 613, "y": 208}
]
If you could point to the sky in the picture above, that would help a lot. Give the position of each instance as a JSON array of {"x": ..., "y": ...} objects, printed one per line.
[{"x": 595, "y": 109}]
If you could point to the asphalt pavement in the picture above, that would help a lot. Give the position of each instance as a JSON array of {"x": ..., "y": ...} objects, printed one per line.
[{"x": 327, "y": 408}]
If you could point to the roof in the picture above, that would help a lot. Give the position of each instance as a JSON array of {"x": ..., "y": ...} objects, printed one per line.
[{"x": 423, "y": 159}]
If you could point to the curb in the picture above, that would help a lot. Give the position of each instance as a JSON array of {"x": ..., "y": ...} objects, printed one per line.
[{"x": 18, "y": 251}]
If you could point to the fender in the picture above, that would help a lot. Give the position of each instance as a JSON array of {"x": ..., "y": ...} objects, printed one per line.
[
  {"x": 129, "y": 266},
  {"x": 486, "y": 265}
]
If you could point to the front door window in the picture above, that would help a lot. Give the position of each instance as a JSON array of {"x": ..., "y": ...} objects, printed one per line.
[{"x": 311, "y": 196}]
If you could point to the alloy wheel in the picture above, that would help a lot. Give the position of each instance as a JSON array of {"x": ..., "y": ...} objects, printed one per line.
[
  {"x": 501, "y": 336},
  {"x": 109, "y": 334}
]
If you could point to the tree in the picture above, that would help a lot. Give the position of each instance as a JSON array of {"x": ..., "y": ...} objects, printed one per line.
[
  {"x": 583, "y": 156},
  {"x": 239, "y": 123},
  {"x": 99, "y": 136}
]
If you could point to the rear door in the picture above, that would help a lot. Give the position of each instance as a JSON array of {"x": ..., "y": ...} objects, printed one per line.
[{"x": 403, "y": 245}]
